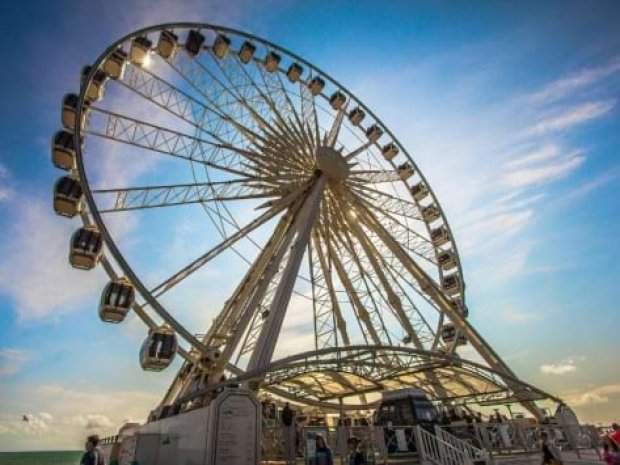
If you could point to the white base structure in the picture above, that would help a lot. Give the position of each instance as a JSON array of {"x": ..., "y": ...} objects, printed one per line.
[{"x": 227, "y": 432}]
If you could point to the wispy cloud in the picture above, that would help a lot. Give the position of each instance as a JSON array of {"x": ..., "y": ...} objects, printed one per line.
[
  {"x": 572, "y": 116},
  {"x": 512, "y": 315},
  {"x": 566, "y": 85},
  {"x": 592, "y": 395},
  {"x": 12, "y": 361},
  {"x": 547, "y": 173}
]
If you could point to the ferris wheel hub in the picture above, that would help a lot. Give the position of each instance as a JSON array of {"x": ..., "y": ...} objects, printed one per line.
[{"x": 332, "y": 163}]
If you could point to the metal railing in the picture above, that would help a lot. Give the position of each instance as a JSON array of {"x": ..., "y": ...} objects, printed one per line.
[
  {"x": 474, "y": 453},
  {"x": 440, "y": 452}
]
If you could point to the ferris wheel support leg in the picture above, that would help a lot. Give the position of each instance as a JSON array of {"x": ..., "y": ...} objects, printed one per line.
[{"x": 304, "y": 221}]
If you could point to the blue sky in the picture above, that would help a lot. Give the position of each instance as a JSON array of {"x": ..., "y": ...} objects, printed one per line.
[{"x": 511, "y": 112}]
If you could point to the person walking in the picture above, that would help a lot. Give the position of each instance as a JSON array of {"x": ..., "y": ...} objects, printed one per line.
[
  {"x": 356, "y": 454},
  {"x": 93, "y": 455},
  {"x": 288, "y": 430},
  {"x": 324, "y": 454},
  {"x": 549, "y": 456}
]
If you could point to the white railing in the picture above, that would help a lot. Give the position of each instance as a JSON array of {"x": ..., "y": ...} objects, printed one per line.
[
  {"x": 440, "y": 452},
  {"x": 473, "y": 453}
]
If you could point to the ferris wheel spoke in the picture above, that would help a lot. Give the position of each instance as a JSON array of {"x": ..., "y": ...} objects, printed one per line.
[
  {"x": 240, "y": 85},
  {"x": 422, "y": 329},
  {"x": 204, "y": 116},
  {"x": 245, "y": 80},
  {"x": 366, "y": 325},
  {"x": 202, "y": 81},
  {"x": 392, "y": 297},
  {"x": 412, "y": 240},
  {"x": 131, "y": 131},
  {"x": 425, "y": 282},
  {"x": 276, "y": 208},
  {"x": 136, "y": 198},
  {"x": 308, "y": 112},
  {"x": 371, "y": 176},
  {"x": 182, "y": 105},
  {"x": 384, "y": 201},
  {"x": 273, "y": 82},
  {"x": 325, "y": 331},
  {"x": 354, "y": 153},
  {"x": 334, "y": 130},
  {"x": 341, "y": 324},
  {"x": 373, "y": 320}
]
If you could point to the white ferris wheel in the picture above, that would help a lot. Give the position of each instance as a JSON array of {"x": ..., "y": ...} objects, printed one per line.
[{"x": 304, "y": 194}]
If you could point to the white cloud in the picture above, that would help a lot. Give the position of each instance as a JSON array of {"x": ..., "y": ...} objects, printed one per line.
[
  {"x": 516, "y": 316},
  {"x": 592, "y": 395},
  {"x": 564, "y": 86},
  {"x": 92, "y": 421},
  {"x": 69, "y": 413},
  {"x": 546, "y": 152},
  {"x": 12, "y": 361},
  {"x": 571, "y": 117},
  {"x": 542, "y": 174},
  {"x": 35, "y": 272},
  {"x": 568, "y": 365}
]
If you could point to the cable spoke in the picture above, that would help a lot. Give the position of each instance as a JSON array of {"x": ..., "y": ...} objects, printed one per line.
[{"x": 277, "y": 207}]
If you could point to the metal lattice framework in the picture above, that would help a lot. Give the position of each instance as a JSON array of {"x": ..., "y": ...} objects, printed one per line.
[{"x": 307, "y": 194}]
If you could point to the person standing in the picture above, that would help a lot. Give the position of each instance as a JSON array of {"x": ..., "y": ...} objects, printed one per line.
[
  {"x": 615, "y": 434},
  {"x": 288, "y": 430},
  {"x": 93, "y": 455}
]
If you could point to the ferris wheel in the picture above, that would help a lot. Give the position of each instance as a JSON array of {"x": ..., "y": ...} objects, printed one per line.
[{"x": 302, "y": 194}]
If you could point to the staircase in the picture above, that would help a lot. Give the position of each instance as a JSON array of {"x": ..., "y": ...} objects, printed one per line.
[{"x": 443, "y": 448}]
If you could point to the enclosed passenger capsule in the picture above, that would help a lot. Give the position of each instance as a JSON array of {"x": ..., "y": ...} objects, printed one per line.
[
  {"x": 114, "y": 65},
  {"x": 96, "y": 87},
  {"x": 294, "y": 72},
  {"x": 69, "y": 111},
  {"x": 221, "y": 46},
  {"x": 389, "y": 151},
  {"x": 447, "y": 260},
  {"x": 356, "y": 116},
  {"x": 139, "y": 50},
  {"x": 405, "y": 171},
  {"x": 117, "y": 299},
  {"x": 272, "y": 61},
  {"x": 86, "y": 248},
  {"x": 68, "y": 196},
  {"x": 430, "y": 213},
  {"x": 337, "y": 100},
  {"x": 440, "y": 236},
  {"x": 316, "y": 85},
  {"x": 246, "y": 52},
  {"x": 63, "y": 150},
  {"x": 374, "y": 132},
  {"x": 451, "y": 284},
  {"x": 194, "y": 41},
  {"x": 459, "y": 307},
  {"x": 158, "y": 349},
  {"x": 448, "y": 335},
  {"x": 419, "y": 191},
  {"x": 167, "y": 44}
]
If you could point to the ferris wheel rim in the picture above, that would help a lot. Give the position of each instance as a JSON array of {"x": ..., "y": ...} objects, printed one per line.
[{"x": 92, "y": 205}]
